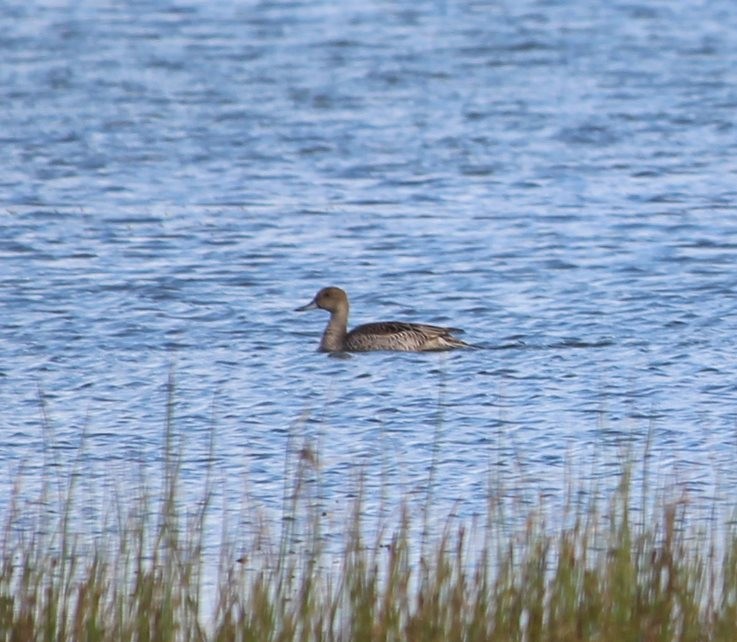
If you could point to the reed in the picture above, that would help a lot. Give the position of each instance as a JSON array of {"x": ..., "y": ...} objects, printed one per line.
[{"x": 600, "y": 577}]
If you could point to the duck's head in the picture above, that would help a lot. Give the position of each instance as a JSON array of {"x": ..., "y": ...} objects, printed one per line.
[{"x": 330, "y": 299}]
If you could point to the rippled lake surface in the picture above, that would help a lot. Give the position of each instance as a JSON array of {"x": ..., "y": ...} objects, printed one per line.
[{"x": 557, "y": 178}]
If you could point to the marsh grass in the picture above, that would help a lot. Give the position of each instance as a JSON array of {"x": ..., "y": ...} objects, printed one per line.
[{"x": 600, "y": 576}]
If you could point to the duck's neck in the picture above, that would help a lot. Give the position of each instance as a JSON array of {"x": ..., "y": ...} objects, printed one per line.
[{"x": 334, "y": 335}]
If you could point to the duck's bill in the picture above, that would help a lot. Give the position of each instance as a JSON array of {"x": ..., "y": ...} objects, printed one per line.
[{"x": 310, "y": 306}]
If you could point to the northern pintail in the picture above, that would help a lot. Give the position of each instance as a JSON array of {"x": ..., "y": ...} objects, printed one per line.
[{"x": 384, "y": 335}]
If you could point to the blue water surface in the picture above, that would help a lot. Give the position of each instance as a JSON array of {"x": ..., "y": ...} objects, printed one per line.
[{"x": 557, "y": 178}]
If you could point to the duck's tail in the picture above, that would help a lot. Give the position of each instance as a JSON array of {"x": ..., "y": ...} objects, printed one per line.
[{"x": 445, "y": 341}]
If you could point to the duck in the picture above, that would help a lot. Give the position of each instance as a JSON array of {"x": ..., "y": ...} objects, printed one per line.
[{"x": 382, "y": 335}]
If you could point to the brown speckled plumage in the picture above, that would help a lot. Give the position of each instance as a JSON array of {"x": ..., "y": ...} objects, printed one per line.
[{"x": 384, "y": 335}]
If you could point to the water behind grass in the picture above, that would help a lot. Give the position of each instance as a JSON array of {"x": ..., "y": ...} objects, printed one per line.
[{"x": 601, "y": 573}]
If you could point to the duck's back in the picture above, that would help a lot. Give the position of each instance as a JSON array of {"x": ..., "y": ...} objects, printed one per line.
[{"x": 396, "y": 335}]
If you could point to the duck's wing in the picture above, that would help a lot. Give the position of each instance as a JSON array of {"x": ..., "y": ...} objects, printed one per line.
[{"x": 397, "y": 335}]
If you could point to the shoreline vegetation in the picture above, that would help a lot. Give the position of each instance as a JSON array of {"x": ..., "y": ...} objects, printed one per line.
[{"x": 603, "y": 576}]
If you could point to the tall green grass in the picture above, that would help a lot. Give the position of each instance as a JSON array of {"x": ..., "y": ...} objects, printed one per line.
[{"x": 600, "y": 577}]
